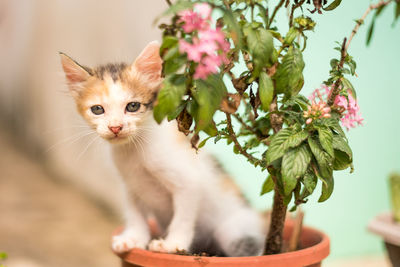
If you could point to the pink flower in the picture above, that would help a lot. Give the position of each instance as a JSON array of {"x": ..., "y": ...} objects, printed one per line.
[
  {"x": 341, "y": 101},
  {"x": 208, "y": 65},
  {"x": 213, "y": 35},
  {"x": 212, "y": 62},
  {"x": 317, "y": 111},
  {"x": 192, "y": 21},
  {"x": 353, "y": 106},
  {"x": 209, "y": 47},
  {"x": 352, "y": 116},
  {"x": 347, "y": 106},
  {"x": 192, "y": 50},
  {"x": 346, "y": 122},
  {"x": 201, "y": 72}
]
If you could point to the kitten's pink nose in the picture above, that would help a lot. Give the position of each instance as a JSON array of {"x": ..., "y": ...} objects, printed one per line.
[{"x": 115, "y": 129}]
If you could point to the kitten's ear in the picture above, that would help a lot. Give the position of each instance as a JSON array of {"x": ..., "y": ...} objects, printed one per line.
[
  {"x": 149, "y": 63},
  {"x": 74, "y": 72}
]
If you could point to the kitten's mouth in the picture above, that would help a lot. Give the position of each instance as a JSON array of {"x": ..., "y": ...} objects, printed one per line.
[{"x": 117, "y": 139}]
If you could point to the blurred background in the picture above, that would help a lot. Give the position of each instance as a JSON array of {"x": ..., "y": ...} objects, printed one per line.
[{"x": 59, "y": 201}]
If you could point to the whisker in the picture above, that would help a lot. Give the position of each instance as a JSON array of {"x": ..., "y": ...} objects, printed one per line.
[
  {"x": 86, "y": 148},
  {"x": 77, "y": 136},
  {"x": 133, "y": 142},
  {"x": 65, "y": 128},
  {"x": 143, "y": 138},
  {"x": 141, "y": 145}
]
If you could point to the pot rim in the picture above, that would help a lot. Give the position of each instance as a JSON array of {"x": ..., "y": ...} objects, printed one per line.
[{"x": 303, "y": 257}]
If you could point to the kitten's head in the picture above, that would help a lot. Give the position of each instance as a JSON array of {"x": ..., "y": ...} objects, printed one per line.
[{"x": 115, "y": 99}]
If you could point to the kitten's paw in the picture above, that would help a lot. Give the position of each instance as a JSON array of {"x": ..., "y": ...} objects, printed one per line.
[
  {"x": 125, "y": 242},
  {"x": 162, "y": 245}
]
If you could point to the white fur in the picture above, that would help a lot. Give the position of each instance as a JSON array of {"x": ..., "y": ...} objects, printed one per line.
[
  {"x": 182, "y": 189},
  {"x": 162, "y": 176}
]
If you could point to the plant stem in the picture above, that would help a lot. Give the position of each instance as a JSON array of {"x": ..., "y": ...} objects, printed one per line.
[
  {"x": 236, "y": 142},
  {"x": 294, "y": 6},
  {"x": 275, "y": 11},
  {"x": 169, "y": 2},
  {"x": 227, "y": 4},
  {"x": 276, "y": 119},
  {"x": 336, "y": 85},
  {"x": 346, "y": 44},
  {"x": 361, "y": 20},
  {"x": 247, "y": 127},
  {"x": 274, "y": 239},
  {"x": 273, "y": 244}
]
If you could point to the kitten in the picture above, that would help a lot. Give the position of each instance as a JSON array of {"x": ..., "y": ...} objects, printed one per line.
[{"x": 162, "y": 176}]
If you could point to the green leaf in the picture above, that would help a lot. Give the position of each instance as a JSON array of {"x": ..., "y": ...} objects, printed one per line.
[
  {"x": 339, "y": 143},
  {"x": 168, "y": 42},
  {"x": 299, "y": 100},
  {"x": 397, "y": 11},
  {"x": 289, "y": 74},
  {"x": 282, "y": 141},
  {"x": 211, "y": 129},
  {"x": 291, "y": 35},
  {"x": 294, "y": 165},
  {"x": 327, "y": 189},
  {"x": 310, "y": 182},
  {"x": 209, "y": 94},
  {"x": 263, "y": 13},
  {"x": 261, "y": 46},
  {"x": 353, "y": 65},
  {"x": 333, "y": 5},
  {"x": 287, "y": 199},
  {"x": 234, "y": 28},
  {"x": 263, "y": 125},
  {"x": 334, "y": 125},
  {"x": 266, "y": 90},
  {"x": 323, "y": 159},
  {"x": 370, "y": 31},
  {"x": 202, "y": 143},
  {"x": 172, "y": 52},
  {"x": 170, "y": 96},
  {"x": 325, "y": 138},
  {"x": 171, "y": 116},
  {"x": 171, "y": 66},
  {"x": 268, "y": 185},
  {"x": 172, "y": 59},
  {"x": 334, "y": 62},
  {"x": 348, "y": 86},
  {"x": 342, "y": 161}
]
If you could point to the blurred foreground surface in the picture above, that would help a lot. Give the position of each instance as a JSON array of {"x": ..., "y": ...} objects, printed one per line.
[{"x": 46, "y": 223}]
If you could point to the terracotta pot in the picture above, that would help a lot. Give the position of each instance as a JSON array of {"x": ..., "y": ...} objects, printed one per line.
[
  {"x": 315, "y": 248},
  {"x": 386, "y": 227}
]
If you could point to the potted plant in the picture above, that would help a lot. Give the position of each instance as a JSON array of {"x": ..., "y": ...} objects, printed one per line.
[
  {"x": 245, "y": 68},
  {"x": 387, "y": 224}
]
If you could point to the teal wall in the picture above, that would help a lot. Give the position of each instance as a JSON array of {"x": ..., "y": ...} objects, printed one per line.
[{"x": 359, "y": 196}]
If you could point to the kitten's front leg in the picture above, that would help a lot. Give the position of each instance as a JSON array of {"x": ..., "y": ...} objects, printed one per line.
[
  {"x": 136, "y": 233},
  {"x": 182, "y": 226}
]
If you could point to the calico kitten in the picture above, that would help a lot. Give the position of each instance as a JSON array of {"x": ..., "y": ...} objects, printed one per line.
[{"x": 162, "y": 175}]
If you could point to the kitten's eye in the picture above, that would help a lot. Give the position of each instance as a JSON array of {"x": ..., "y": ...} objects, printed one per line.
[
  {"x": 97, "y": 109},
  {"x": 133, "y": 106}
]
